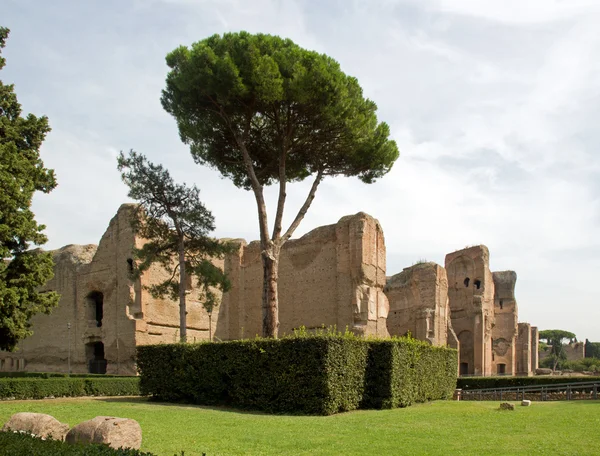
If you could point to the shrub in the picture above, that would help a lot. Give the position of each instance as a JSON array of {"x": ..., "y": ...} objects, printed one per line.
[
  {"x": 17, "y": 444},
  {"x": 403, "y": 371},
  {"x": 468, "y": 383},
  {"x": 20, "y": 374},
  {"x": 39, "y": 388},
  {"x": 311, "y": 374},
  {"x": 308, "y": 375}
]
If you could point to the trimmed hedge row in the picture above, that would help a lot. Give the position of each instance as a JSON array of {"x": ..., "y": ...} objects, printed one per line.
[
  {"x": 467, "y": 383},
  {"x": 39, "y": 388},
  {"x": 311, "y": 375},
  {"x": 20, "y": 374},
  {"x": 401, "y": 372},
  {"x": 17, "y": 444}
]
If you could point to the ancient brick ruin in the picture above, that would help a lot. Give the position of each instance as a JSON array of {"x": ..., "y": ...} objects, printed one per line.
[
  {"x": 333, "y": 275},
  {"x": 466, "y": 306}
]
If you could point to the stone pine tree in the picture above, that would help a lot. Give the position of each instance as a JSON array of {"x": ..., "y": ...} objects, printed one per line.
[
  {"x": 175, "y": 224},
  {"x": 262, "y": 110},
  {"x": 22, "y": 173},
  {"x": 555, "y": 338}
]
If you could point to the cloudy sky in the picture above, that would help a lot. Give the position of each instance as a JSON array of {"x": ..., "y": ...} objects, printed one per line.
[{"x": 494, "y": 105}]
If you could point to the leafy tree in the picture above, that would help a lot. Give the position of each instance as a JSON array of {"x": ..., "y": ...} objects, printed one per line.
[
  {"x": 262, "y": 110},
  {"x": 592, "y": 349},
  {"x": 555, "y": 338},
  {"x": 22, "y": 173},
  {"x": 175, "y": 224}
]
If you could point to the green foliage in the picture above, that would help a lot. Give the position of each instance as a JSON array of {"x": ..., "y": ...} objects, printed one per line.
[
  {"x": 551, "y": 335},
  {"x": 273, "y": 97},
  {"x": 592, "y": 349},
  {"x": 554, "y": 338},
  {"x": 22, "y": 173},
  {"x": 21, "y": 374},
  {"x": 581, "y": 365},
  {"x": 175, "y": 224},
  {"x": 310, "y": 374},
  {"x": 467, "y": 383},
  {"x": 260, "y": 109},
  {"x": 403, "y": 371},
  {"x": 18, "y": 444},
  {"x": 39, "y": 388}
]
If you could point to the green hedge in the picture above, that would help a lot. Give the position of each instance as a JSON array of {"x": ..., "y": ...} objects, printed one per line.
[
  {"x": 17, "y": 444},
  {"x": 401, "y": 372},
  {"x": 311, "y": 375},
  {"x": 307, "y": 375},
  {"x": 20, "y": 374},
  {"x": 467, "y": 383},
  {"x": 39, "y": 388}
]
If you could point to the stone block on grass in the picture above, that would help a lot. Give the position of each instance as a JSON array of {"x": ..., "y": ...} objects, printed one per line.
[
  {"x": 38, "y": 424},
  {"x": 112, "y": 431}
]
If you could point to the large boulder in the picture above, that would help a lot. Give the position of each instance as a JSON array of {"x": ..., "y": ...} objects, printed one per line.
[
  {"x": 38, "y": 424},
  {"x": 110, "y": 430}
]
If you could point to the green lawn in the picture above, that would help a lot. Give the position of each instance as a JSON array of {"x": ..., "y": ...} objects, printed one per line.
[{"x": 438, "y": 428}]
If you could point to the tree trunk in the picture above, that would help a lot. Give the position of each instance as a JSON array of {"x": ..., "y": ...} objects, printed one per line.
[
  {"x": 270, "y": 294},
  {"x": 182, "y": 286},
  {"x": 210, "y": 326}
]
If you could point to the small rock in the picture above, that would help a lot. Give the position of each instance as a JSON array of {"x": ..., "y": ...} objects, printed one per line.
[
  {"x": 525, "y": 402},
  {"x": 507, "y": 406}
]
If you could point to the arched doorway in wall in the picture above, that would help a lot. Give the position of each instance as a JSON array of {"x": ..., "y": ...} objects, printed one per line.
[
  {"x": 94, "y": 353},
  {"x": 95, "y": 307},
  {"x": 466, "y": 355}
]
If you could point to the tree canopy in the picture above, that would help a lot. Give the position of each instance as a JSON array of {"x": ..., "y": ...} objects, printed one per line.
[
  {"x": 262, "y": 110},
  {"x": 22, "y": 173},
  {"x": 175, "y": 226},
  {"x": 552, "y": 335},
  {"x": 555, "y": 338}
]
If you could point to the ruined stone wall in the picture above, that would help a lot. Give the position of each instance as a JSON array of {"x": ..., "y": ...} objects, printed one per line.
[
  {"x": 535, "y": 343},
  {"x": 504, "y": 332},
  {"x": 574, "y": 351},
  {"x": 95, "y": 290},
  {"x": 471, "y": 295},
  {"x": 418, "y": 298},
  {"x": 91, "y": 277},
  {"x": 332, "y": 276},
  {"x": 523, "y": 352}
]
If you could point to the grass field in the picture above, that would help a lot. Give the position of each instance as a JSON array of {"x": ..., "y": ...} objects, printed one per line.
[{"x": 438, "y": 428}]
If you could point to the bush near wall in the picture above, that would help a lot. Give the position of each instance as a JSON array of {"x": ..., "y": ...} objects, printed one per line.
[
  {"x": 322, "y": 374},
  {"x": 17, "y": 444},
  {"x": 39, "y": 388},
  {"x": 21, "y": 374},
  {"x": 403, "y": 371},
  {"x": 467, "y": 383},
  {"x": 308, "y": 375}
]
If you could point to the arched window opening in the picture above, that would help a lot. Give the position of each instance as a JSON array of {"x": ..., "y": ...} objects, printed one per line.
[
  {"x": 477, "y": 284},
  {"x": 467, "y": 281},
  {"x": 501, "y": 369},
  {"x": 95, "y": 303},
  {"x": 130, "y": 265}
]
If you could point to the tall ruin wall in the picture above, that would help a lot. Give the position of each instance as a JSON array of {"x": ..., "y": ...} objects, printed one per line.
[
  {"x": 418, "y": 298},
  {"x": 90, "y": 321},
  {"x": 471, "y": 295},
  {"x": 332, "y": 276},
  {"x": 504, "y": 332}
]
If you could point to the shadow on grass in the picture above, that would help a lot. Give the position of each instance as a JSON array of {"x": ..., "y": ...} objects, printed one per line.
[{"x": 218, "y": 408}]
